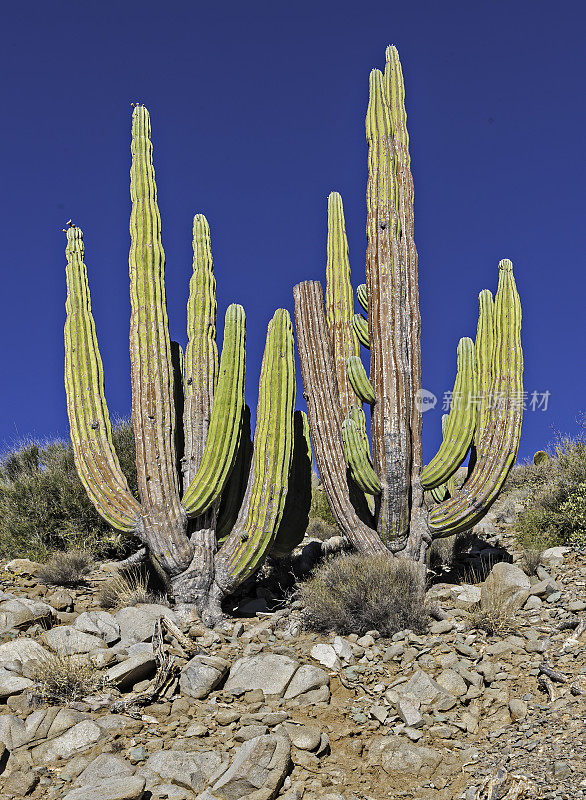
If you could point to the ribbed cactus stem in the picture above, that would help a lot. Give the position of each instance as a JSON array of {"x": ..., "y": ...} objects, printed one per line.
[
  {"x": 340, "y": 300},
  {"x": 359, "y": 380},
  {"x": 225, "y": 424},
  {"x": 264, "y": 501},
  {"x": 362, "y": 295},
  {"x": 461, "y": 422},
  {"x": 357, "y": 454},
  {"x": 91, "y": 432},
  {"x": 153, "y": 416},
  {"x": 360, "y": 325},
  {"x": 484, "y": 363}
]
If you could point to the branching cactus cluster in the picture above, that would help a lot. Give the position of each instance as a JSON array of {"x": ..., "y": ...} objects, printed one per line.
[
  {"x": 212, "y": 504},
  {"x": 378, "y": 499}
]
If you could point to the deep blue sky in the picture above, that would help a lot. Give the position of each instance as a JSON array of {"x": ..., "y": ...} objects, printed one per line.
[{"x": 258, "y": 113}]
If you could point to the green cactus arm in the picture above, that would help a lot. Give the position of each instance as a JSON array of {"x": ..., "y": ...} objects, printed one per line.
[
  {"x": 362, "y": 295},
  {"x": 359, "y": 380},
  {"x": 340, "y": 300},
  {"x": 325, "y": 419},
  {"x": 201, "y": 354},
  {"x": 461, "y": 422},
  {"x": 235, "y": 488},
  {"x": 91, "y": 432},
  {"x": 500, "y": 442},
  {"x": 225, "y": 424},
  {"x": 153, "y": 415},
  {"x": 484, "y": 356},
  {"x": 360, "y": 325},
  {"x": 447, "y": 489},
  {"x": 357, "y": 454},
  {"x": 177, "y": 362},
  {"x": 298, "y": 503},
  {"x": 540, "y": 457},
  {"x": 264, "y": 501},
  {"x": 390, "y": 333}
]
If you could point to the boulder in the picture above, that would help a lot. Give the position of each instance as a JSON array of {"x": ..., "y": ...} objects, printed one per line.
[
  {"x": 104, "y": 766},
  {"x": 77, "y": 738},
  {"x": 326, "y": 655},
  {"x": 23, "y": 566},
  {"x": 23, "y": 650},
  {"x": 99, "y": 623},
  {"x": 260, "y": 765},
  {"x": 506, "y": 586},
  {"x": 270, "y": 672},
  {"x": 306, "y": 679},
  {"x": 129, "y": 787},
  {"x": 10, "y": 684},
  {"x": 398, "y": 756},
  {"x": 202, "y": 674},
  {"x": 191, "y": 770},
  {"x": 20, "y": 612},
  {"x": 424, "y": 689},
  {"x": 132, "y": 670},
  {"x": 137, "y": 623},
  {"x": 67, "y": 640}
]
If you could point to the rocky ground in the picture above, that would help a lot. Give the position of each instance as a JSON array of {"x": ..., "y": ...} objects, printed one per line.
[{"x": 265, "y": 709}]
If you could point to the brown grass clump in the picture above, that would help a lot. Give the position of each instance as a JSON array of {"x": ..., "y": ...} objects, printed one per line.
[
  {"x": 357, "y": 593},
  {"x": 66, "y": 569},
  {"x": 495, "y": 616},
  {"x": 127, "y": 589},
  {"x": 63, "y": 679},
  {"x": 531, "y": 560}
]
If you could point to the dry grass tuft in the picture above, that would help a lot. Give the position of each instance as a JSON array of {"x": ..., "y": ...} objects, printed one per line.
[
  {"x": 63, "y": 679},
  {"x": 531, "y": 560},
  {"x": 127, "y": 589},
  {"x": 66, "y": 569},
  {"x": 496, "y": 616},
  {"x": 356, "y": 594}
]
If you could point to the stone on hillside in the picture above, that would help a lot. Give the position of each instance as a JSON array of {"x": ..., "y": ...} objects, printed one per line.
[
  {"x": 506, "y": 586},
  {"x": 554, "y": 556},
  {"x": 23, "y": 566},
  {"x": 137, "y": 623},
  {"x": 20, "y": 612},
  {"x": 67, "y": 640},
  {"x": 60, "y": 600},
  {"x": 190, "y": 770},
  {"x": 397, "y": 756},
  {"x": 132, "y": 670},
  {"x": 343, "y": 650},
  {"x": 326, "y": 655},
  {"x": 99, "y": 623},
  {"x": 303, "y": 737},
  {"x": 20, "y": 783},
  {"x": 104, "y": 766},
  {"x": 424, "y": 689},
  {"x": 202, "y": 674},
  {"x": 518, "y": 709},
  {"x": 22, "y": 650},
  {"x": 10, "y": 684},
  {"x": 80, "y": 736},
  {"x": 466, "y": 596},
  {"x": 270, "y": 672},
  {"x": 128, "y": 787},
  {"x": 306, "y": 679},
  {"x": 452, "y": 682},
  {"x": 409, "y": 713},
  {"x": 259, "y": 764}
]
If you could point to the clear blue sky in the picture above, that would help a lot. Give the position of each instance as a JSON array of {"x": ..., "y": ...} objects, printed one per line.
[{"x": 258, "y": 113}]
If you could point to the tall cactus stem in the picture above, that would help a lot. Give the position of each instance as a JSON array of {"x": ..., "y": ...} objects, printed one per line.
[{"x": 359, "y": 380}]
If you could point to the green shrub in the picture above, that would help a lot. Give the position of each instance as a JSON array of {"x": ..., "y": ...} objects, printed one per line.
[
  {"x": 44, "y": 506},
  {"x": 555, "y": 497},
  {"x": 356, "y": 594}
]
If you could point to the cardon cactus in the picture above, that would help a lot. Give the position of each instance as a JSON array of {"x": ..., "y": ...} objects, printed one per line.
[
  {"x": 199, "y": 478},
  {"x": 486, "y": 412}
]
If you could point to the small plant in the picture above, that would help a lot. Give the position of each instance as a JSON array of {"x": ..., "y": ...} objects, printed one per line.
[
  {"x": 320, "y": 529},
  {"x": 531, "y": 560},
  {"x": 357, "y": 593},
  {"x": 66, "y": 569},
  {"x": 63, "y": 679},
  {"x": 495, "y": 616},
  {"x": 127, "y": 589}
]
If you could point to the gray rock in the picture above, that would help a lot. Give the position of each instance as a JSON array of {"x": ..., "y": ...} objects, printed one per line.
[
  {"x": 67, "y": 640},
  {"x": 506, "y": 586},
  {"x": 442, "y": 626},
  {"x": 196, "y": 729},
  {"x": 326, "y": 655},
  {"x": 137, "y": 623},
  {"x": 466, "y": 596},
  {"x": 190, "y": 770},
  {"x": 518, "y": 709},
  {"x": 247, "y": 732},
  {"x": 306, "y": 679},
  {"x": 77, "y": 738},
  {"x": 102, "y": 767},
  {"x": 12, "y": 684},
  {"x": 20, "y": 612},
  {"x": 409, "y": 712},
  {"x": 23, "y": 650},
  {"x": 130, "y": 787},
  {"x": 259, "y": 764},
  {"x": 303, "y": 737},
  {"x": 99, "y": 623},
  {"x": 554, "y": 556},
  {"x": 397, "y": 756},
  {"x": 20, "y": 783},
  {"x": 452, "y": 682},
  {"x": 202, "y": 674},
  {"x": 343, "y": 650},
  {"x": 23, "y": 566},
  {"x": 424, "y": 689},
  {"x": 131, "y": 671},
  {"x": 269, "y": 672}
]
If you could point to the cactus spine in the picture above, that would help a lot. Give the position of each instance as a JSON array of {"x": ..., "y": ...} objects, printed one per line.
[
  {"x": 186, "y": 411},
  {"x": 489, "y": 368}
]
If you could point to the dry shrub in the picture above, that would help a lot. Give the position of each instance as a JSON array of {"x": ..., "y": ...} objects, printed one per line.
[
  {"x": 357, "y": 593},
  {"x": 531, "y": 560},
  {"x": 320, "y": 529},
  {"x": 127, "y": 589},
  {"x": 65, "y": 678},
  {"x": 495, "y": 616},
  {"x": 66, "y": 569}
]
